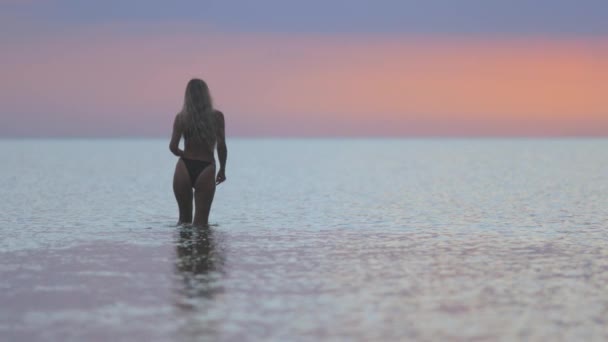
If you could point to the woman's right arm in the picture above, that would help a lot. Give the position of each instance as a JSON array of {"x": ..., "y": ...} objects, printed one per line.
[
  {"x": 175, "y": 137},
  {"x": 222, "y": 150}
]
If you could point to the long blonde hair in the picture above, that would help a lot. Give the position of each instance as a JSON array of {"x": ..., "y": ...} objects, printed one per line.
[{"x": 198, "y": 113}]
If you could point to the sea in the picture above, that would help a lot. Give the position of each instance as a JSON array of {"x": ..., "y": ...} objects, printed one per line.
[{"x": 310, "y": 240}]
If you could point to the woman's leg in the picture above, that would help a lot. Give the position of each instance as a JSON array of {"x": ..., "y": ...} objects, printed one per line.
[
  {"x": 182, "y": 188},
  {"x": 203, "y": 196}
]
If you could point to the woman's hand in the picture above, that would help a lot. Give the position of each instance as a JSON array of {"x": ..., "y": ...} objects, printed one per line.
[{"x": 221, "y": 177}]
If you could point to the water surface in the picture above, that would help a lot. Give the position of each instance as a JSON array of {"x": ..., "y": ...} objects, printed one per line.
[{"x": 312, "y": 239}]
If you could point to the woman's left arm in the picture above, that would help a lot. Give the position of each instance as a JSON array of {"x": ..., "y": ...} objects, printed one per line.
[{"x": 175, "y": 137}]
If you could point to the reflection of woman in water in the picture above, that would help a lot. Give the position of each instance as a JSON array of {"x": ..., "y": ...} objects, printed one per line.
[
  {"x": 202, "y": 128},
  {"x": 199, "y": 262}
]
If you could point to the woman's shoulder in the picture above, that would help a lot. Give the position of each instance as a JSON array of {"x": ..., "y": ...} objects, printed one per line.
[
  {"x": 180, "y": 120},
  {"x": 219, "y": 115}
]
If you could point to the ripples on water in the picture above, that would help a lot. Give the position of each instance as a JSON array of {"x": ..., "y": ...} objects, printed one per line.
[{"x": 314, "y": 239}]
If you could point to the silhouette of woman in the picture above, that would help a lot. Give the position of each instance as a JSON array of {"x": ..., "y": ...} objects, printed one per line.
[{"x": 203, "y": 129}]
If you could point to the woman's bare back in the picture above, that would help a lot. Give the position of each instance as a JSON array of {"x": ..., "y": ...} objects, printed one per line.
[{"x": 193, "y": 149}]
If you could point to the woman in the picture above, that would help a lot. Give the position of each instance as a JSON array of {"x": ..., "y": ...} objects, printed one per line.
[{"x": 203, "y": 129}]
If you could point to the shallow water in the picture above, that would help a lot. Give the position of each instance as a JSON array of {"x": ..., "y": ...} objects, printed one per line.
[{"x": 312, "y": 239}]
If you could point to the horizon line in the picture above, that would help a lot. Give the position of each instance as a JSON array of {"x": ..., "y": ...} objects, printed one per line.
[{"x": 328, "y": 137}]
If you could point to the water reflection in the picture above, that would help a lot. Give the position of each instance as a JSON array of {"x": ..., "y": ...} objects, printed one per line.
[{"x": 198, "y": 264}]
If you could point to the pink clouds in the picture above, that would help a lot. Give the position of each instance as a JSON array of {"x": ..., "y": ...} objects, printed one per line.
[{"x": 102, "y": 82}]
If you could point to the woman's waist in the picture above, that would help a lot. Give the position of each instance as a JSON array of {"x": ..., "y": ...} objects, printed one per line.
[{"x": 198, "y": 156}]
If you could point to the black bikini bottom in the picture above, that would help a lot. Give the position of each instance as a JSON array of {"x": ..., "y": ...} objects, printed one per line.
[{"x": 195, "y": 167}]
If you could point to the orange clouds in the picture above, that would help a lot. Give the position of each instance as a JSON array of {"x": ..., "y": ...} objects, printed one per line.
[
  {"x": 472, "y": 80},
  {"x": 320, "y": 85}
]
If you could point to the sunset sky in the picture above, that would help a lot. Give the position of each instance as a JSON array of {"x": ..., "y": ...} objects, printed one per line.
[{"x": 306, "y": 68}]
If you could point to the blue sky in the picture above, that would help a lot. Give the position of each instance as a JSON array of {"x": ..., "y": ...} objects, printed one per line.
[{"x": 515, "y": 17}]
